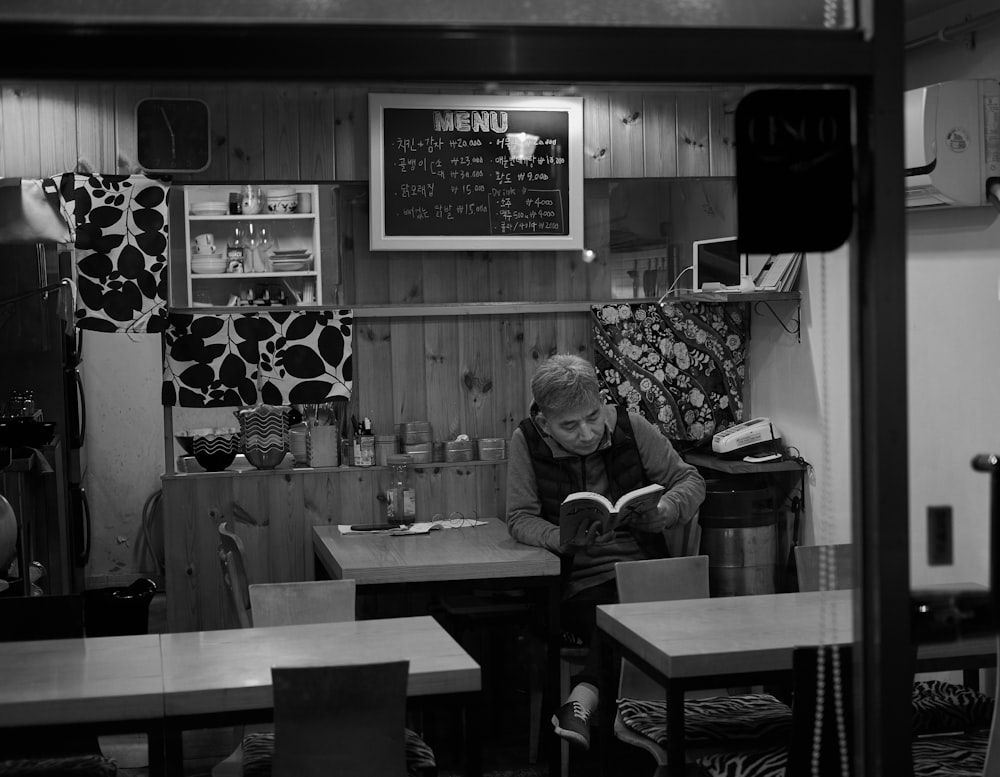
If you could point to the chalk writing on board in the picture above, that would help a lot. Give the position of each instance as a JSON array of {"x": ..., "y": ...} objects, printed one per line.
[{"x": 451, "y": 172}]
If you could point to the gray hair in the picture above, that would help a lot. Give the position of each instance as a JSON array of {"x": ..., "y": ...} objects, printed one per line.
[{"x": 565, "y": 382}]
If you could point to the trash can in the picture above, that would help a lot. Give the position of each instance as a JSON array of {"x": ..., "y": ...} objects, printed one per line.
[
  {"x": 739, "y": 534},
  {"x": 111, "y": 612}
]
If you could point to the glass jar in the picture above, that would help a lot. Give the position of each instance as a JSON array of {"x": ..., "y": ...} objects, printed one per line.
[{"x": 400, "y": 498}]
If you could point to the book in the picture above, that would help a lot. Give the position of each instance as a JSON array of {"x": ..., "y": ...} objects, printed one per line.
[
  {"x": 771, "y": 274},
  {"x": 582, "y": 509}
]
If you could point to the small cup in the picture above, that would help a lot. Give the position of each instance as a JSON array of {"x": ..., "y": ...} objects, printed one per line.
[
  {"x": 305, "y": 202},
  {"x": 308, "y": 294},
  {"x": 204, "y": 244}
]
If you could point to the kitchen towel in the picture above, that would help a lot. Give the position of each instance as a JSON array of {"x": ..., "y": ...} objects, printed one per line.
[
  {"x": 275, "y": 357},
  {"x": 119, "y": 228}
]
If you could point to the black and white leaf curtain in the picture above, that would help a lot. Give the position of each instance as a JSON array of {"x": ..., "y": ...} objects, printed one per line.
[
  {"x": 119, "y": 227},
  {"x": 275, "y": 358}
]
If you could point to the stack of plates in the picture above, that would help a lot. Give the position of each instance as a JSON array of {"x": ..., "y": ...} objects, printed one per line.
[
  {"x": 208, "y": 263},
  {"x": 291, "y": 261},
  {"x": 297, "y": 443},
  {"x": 209, "y": 209}
]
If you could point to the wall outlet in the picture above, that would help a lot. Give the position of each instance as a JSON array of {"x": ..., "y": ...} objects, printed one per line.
[{"x": 940, "y": 538}]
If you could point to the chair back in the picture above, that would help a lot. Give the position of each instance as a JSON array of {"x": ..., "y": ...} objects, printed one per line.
[
  {"x": 308, "y": 601},
  {"x": 232, "y": 559},
  {"x": 657, "y": 580},
  {"x": 807, "y": 563},
  {"x": 345, "y": 720},
  {"x": 51, "y": 616}
]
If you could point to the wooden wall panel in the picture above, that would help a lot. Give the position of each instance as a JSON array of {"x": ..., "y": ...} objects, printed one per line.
[
  {"x": 442, "y": 376},
  {"x": 350, "y": 133},
  {"x": 659, "y": 117},
  {"x": 57, "y": 130},
  {"x": 20, "y": 131},
  {"x": 245, "y": 133},
  {"x": 596, "y": 135},
  {"x": 692, "y": 134},
  {"x": 215, "y": 97},
  {"x": 281, "y": 133},
  {"x": 316, "y": 127},
  {"x": 722, "y": 130},
  {"x": 627, "y": 125}
]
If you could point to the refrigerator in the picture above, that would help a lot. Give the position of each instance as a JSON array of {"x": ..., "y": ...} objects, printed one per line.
[{"x": 41, "y": 354}]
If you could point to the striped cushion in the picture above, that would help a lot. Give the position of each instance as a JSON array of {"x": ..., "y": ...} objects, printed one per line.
[
  {"x": 958, "y": 755},
  {"x": 753, "y": 716},
  {"x": 940, "y": 708},
  {"x": 770, "y": 762},
  {"x": 65, "y": 766},
  {"x": 258, "y": 750}
]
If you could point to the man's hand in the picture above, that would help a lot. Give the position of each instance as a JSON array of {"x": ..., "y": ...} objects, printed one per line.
[
  {"x": 649, "y": 521},
  {"x": 588, "y": 535}
]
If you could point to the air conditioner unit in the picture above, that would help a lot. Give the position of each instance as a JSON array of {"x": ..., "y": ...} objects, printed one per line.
[{"x": 952, "y": 143}]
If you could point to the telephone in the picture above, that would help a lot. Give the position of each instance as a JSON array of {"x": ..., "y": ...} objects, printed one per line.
[{"x": 755, "y": 435}]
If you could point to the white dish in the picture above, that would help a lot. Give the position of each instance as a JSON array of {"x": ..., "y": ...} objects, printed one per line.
[{"x": 290, "y": 265}]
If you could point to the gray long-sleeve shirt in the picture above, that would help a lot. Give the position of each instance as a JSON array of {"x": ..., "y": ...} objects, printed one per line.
[{"x": 595, "y": 563}]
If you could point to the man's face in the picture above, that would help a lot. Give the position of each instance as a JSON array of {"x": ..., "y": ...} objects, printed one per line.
[{"x": 579, "y": 431}]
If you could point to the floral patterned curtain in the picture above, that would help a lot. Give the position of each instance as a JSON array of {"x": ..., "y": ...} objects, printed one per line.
[
  {"x": 276, "y": 358},
  {"x": 679, "y": 364}
]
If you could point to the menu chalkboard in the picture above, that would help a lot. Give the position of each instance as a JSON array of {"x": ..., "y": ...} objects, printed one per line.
[{"x": 476, "y": 172}]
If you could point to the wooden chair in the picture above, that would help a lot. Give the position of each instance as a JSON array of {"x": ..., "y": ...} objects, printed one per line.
[
  {"x": 292, "y": 603},
  {"x": 232, "y": 559},
  {"x": 708, "y": 722},
  {"x": 807, "y": 564},
  {"x": 345, "y": 720},
  {"x": 311, "y": 601}
]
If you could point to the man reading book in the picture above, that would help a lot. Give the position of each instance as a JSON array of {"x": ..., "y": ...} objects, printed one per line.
[{"x": 572, "y": 441}]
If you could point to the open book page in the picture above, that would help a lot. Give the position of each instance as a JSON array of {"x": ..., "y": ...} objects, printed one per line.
[{"x": 581, "y": 510}]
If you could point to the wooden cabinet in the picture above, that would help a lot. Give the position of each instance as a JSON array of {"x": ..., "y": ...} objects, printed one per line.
[
  {"x": 282, "y": 250},
  {"x": 273, "y": 512}
]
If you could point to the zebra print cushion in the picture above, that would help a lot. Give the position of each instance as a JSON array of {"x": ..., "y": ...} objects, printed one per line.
[
  {"x": 752, "y": 716},
  {"x": 770, "y": 762},
  {"x": 940, "y": 708},
  {"x": 65, "y": 766},
  {"x": 258, "y": 750},
  {"x": 958, "y": 755}
]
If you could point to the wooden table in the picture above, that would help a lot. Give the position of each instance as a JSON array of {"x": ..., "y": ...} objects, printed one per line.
[
  {"x": 740, "y": 640},
  {"x": 450, "y": 558},
  {"x": 213, "y": 678},
  {"x": 102, "y": 684}
]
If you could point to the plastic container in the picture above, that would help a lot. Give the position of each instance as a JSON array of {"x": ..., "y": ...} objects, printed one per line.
[
  {"x": 400, "y": 498},
  {"x": 113, "y": 612}
]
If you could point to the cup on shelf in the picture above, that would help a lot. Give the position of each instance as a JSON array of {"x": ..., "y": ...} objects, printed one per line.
[
  {"x": 308, "y": 294},
  {"x": 305, "y": 202},
  {"x": 204, "y": 243}
]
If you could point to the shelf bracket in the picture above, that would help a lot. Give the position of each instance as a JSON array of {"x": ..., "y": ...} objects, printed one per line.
[{"x": 796, "y": 320}]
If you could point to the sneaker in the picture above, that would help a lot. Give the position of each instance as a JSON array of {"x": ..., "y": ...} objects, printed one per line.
[{"x": 572, "y": 722}]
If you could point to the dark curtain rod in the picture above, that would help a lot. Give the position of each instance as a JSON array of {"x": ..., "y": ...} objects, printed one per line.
[{"x": 33, "y": 292}]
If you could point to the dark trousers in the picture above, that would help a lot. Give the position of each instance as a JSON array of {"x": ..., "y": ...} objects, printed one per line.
[{"x": 579, "y": 615}]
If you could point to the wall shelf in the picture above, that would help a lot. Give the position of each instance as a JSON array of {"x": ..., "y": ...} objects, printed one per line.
[{"x": 576, "y": 306}]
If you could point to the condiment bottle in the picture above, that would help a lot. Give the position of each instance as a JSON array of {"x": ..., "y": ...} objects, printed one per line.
[
  {"x": 400, "y": 498},
  {"x": 367, "y": 448},
  {"x": 236, "y": 250}
]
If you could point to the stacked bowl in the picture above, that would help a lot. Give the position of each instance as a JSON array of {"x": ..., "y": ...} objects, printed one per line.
[
  {"x": 264, "y": 430},
  {"x": 208, "y": 264},
  {"x": 283, "y": 200},
  {"x": 216, "y": 450}
]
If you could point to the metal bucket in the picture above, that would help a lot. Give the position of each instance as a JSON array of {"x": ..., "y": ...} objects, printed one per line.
[{"x": 739, "y": 534}]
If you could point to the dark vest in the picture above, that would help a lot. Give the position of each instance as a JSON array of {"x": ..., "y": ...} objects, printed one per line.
[{"x": 557, "y": 478}]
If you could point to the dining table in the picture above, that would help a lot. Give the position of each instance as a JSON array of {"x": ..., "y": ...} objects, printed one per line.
[
  {"x": 740, "y": 640},
  {"x": 98, "y": 684},
  {"x": 454, "y": 560},
  {"x": 223, "y": 677}
]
